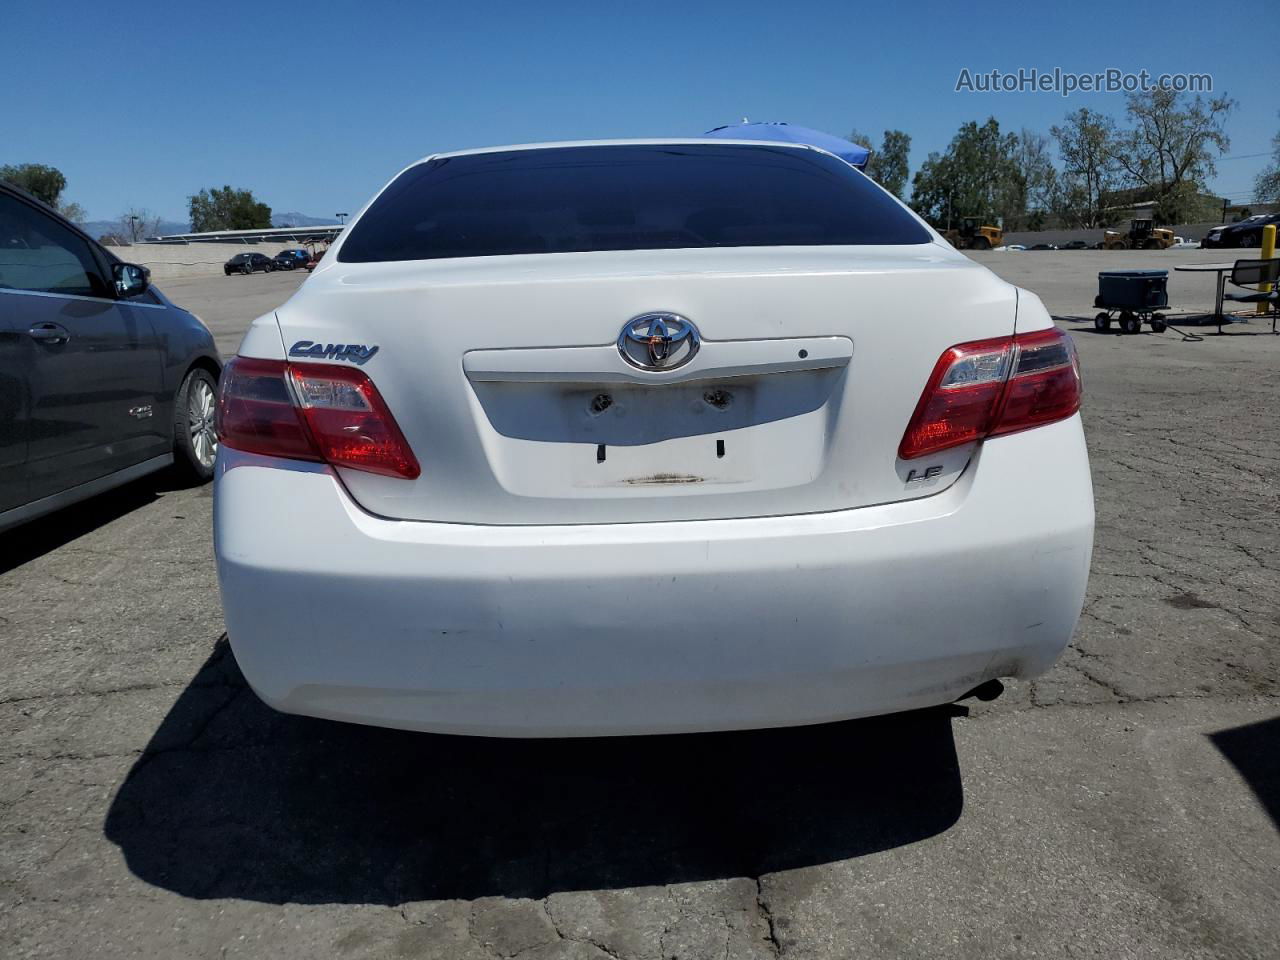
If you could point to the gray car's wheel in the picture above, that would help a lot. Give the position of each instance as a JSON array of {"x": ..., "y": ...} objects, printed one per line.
[{"x": 195, "y": 437}]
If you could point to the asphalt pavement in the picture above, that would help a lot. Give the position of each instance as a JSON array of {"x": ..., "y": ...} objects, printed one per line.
[{"x": 1125, "y": 805}]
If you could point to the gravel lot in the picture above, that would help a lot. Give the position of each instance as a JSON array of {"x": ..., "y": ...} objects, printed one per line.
[{"x": 1125, "y": 805}]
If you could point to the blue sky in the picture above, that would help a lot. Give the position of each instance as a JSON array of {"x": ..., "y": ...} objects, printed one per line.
[{"x": 314, "y": 105}]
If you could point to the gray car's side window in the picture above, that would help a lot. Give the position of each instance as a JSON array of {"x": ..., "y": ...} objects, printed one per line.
[{"x": 37, "y": 253}]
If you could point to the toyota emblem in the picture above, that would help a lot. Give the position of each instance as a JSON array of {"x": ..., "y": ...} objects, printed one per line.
[{"x": 658, "y": 341}]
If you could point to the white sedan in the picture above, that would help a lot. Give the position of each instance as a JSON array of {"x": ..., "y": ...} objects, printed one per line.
[{"x": 643, "y": 437}]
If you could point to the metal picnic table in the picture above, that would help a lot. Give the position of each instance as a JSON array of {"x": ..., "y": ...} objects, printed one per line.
[{"x": 1221, "y": 269}]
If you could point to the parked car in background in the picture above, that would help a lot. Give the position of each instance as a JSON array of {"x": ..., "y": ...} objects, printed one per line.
[
  {"x": 1075, "y": 245},
  {"x": 573, "y": 440},
  {"x": 102, "y": 379},
  {"x": 1246, "y": 233},
  {"x": 1042, "y": 246},
  {"x": 248, "y": 263},
  {"x": 290, "y": 259}
]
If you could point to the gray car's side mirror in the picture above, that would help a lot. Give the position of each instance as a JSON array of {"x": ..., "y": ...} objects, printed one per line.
[{"x": 130, "y": 279}]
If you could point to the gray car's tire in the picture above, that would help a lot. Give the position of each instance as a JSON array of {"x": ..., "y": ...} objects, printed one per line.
[{"x": 195, "y": 439}]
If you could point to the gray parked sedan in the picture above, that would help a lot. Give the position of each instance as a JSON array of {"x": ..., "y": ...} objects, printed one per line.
[{"x": 102, "y": 379}]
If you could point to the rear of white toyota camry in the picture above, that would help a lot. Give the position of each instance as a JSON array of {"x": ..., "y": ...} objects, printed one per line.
[{"x": 646, "y": 437}]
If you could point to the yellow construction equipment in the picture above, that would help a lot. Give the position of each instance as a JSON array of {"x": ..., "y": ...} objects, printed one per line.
[
  {"x": 1142, "y": 235},
  {"x": 972, "y": 235}
]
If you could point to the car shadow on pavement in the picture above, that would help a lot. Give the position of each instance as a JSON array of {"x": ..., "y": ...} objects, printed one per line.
[
  {"x": 232, "y": 799},
  {"x": 25, "y": 543},
  {"x": 1254, "y": 750},
  {"x": 32, "y": 540}
]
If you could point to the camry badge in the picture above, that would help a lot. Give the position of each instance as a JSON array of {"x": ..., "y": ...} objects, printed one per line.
[
  {"x": 357, "y": 353},
  {"x": 658, "y": 341}
]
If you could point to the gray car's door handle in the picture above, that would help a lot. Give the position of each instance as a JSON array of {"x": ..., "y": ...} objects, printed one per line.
[{"x": 49, "y": 333}]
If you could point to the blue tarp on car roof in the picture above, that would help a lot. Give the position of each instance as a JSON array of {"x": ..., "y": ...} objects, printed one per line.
[{"x": 849, "y": 152}]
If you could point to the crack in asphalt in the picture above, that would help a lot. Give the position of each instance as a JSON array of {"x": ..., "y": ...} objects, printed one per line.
[
  {"x": 765, "y": 912},
  {"x": 589, "y": 941}
]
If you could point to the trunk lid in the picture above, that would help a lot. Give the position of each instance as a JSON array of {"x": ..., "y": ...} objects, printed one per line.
[{"x": 506, "y": 378}]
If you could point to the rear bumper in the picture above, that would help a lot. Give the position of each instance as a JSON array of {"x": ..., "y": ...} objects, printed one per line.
[{"x": 652, "y": 627}]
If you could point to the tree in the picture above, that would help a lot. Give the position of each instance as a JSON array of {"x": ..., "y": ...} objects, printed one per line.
[
  {"x": 1040, "y": 179},
  {"x": 136, "y": 223},
  {"x": 1086, "y": 144},
  {"x": 1267, "y": 187},
  {"x": 891, "y": 162},
  {"x": 42, "y": 182},
  {"x": 73, "y": 212},
  {"x": 888, "y": 165},
  {"x": 225, "y": 208},
  {"x": 860, "y": 138},
  {"x": 1170, "y": 147},
  {"x": 978, "y": 176}
]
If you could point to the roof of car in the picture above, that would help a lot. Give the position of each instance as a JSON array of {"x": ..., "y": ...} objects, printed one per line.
[{"x": 638, "y": 142}]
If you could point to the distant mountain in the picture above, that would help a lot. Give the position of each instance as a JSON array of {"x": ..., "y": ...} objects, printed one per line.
[{"x": 300, "y": 220}]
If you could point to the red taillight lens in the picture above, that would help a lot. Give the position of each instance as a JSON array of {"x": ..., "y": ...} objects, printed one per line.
[
  {"x": 991, "y": 387},
  {"x": 311, "y": 411},
  {"x": 1044, "y": 385},
  {"x": 256, "y": 411},
  {"x": 350, "y": 421},
  {"x": 959, "y": 399}
]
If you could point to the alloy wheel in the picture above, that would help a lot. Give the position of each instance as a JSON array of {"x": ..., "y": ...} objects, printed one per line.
[{"x": 201, "y": 418}]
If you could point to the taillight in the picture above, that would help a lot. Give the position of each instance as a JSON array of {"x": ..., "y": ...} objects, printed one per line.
[
  {"x": 311, "y": 411},
  {"x": 350, "y": 421},
  {"x": 991, "y": 387},
  {"x": 256, "y": 411},
  {"x": 1044, "y": 385}
]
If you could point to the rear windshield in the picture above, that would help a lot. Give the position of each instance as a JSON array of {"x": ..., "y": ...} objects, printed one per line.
[{"x": 629, "y": 197}]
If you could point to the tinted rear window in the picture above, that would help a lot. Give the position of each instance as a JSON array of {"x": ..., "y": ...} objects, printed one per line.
[{"x": 662, "y": 197}]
